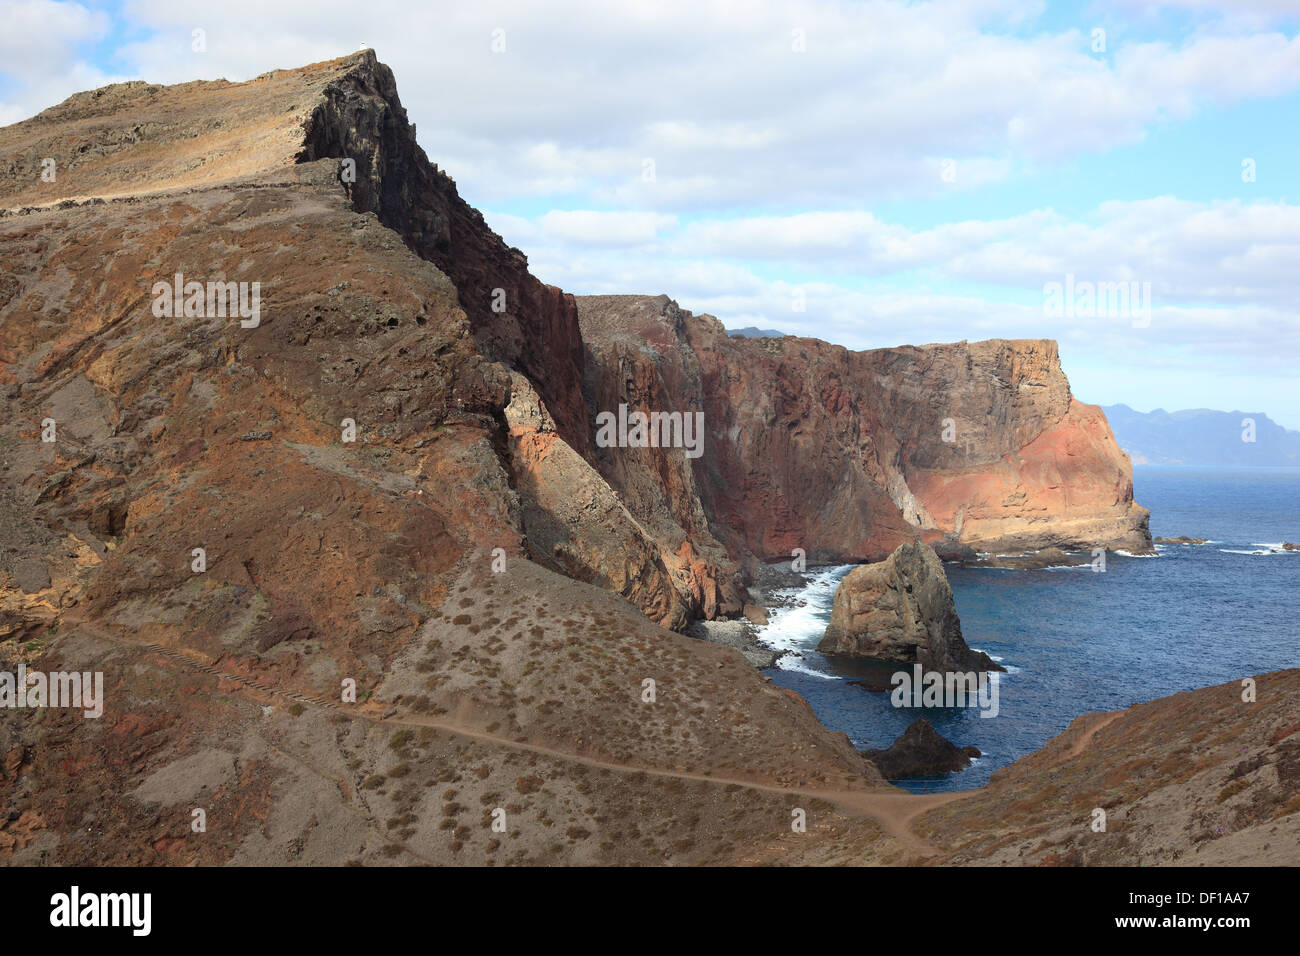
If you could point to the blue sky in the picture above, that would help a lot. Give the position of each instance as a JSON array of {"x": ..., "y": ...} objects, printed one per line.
[{"x": 874, "y": 173}]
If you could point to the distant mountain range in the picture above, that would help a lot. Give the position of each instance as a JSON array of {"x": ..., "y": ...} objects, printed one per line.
[
  {"x": 751, "y": 332},
  {"x": 1202, "y": 436}
]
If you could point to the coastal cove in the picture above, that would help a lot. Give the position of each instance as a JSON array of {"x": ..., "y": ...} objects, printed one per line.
[{"x": 1074, "y": 641}]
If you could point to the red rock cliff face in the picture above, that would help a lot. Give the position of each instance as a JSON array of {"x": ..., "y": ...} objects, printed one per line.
[{"x": 848, "y": 454}]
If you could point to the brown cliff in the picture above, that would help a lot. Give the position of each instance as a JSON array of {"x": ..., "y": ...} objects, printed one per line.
[
  {"x": 573, "y": 520},
  {"x": 516, "y": 319},
  {"x": 900, "y": 610},
  {"x": 136, "y": 139},
  {"x": 809, "y": 445},
  {"x": 849, "y": 454}
]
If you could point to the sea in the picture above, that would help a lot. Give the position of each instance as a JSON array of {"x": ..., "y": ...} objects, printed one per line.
[{"x": 1074, "y": 640}]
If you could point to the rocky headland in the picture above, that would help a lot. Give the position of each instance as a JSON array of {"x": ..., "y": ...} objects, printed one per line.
[
  {"x": 384, "y": 482},
  {"x": 845, "y": 455}
]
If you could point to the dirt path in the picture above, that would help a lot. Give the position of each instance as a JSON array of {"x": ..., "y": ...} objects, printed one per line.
[
  {"x": 1085, "y": 739},
  {"x": 893, "y": 810}
]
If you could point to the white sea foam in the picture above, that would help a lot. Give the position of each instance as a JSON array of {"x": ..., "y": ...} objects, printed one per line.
[
  {"x": 1011, "y": 668},
  {"x": 796, "y": 662},
  {"x": 1130, "y": 554},
  {"x": 799, "y": 628},
  {"x": 1272, "y": 549}
]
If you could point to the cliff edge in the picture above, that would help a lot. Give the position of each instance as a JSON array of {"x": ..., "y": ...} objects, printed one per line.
[{"x": 846, "y": 455}]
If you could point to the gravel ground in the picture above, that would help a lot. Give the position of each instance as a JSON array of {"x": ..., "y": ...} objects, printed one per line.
[{"x": 737, "y": 634}]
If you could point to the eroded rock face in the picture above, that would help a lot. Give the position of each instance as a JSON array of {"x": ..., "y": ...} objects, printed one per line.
[
  {"x": 849, "y": 454},
  {"x": 573, "y": 521},
  {"x": 183, "y": 432},
  {"x": 901, "y": 610},
  {"x": 921, "y": 751}
]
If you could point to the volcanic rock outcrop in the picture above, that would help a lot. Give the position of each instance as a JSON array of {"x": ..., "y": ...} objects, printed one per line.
[
  {"x": 848, "y": 454},
  {"x": 515, "y": 318},
  {"x": 901, "y": 610},
  {"x": 921, "y": 751},
  {"x": 575, "y": 522}
]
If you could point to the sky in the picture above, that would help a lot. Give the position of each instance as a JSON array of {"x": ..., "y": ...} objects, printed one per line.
[{"x": 1120, "y": 175}]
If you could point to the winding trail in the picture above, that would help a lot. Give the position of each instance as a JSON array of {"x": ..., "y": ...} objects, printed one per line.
[
  {"x": 893, "y": 810},
  {"x": 1085, "y": 739}
]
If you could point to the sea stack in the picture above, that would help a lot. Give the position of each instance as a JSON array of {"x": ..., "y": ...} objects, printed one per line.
[{"x": 900, "y": 610}]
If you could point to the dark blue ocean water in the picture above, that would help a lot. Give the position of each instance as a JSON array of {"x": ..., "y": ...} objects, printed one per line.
[{"x": 1076, "y": 641}]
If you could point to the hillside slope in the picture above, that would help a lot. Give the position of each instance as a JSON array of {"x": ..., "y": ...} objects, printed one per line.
[{"x": 492, "y": 581}]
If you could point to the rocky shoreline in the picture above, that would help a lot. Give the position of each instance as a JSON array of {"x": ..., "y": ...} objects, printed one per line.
[
  {"x": 771, "y": 587},
  {"x": 739, "y": 634}
]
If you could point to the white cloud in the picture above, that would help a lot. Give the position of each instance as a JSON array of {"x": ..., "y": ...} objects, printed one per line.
[
  {"x": 41, "y": 35},
  {"x": 605, "y": 228},
  {"x": 40, "y": 48},
  {"x": 1224, "y": 252},
  {"x": 1221, "y": 295},
  {"x": 1240, "y": 14},
  {"x": 715, "y": 94}
]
